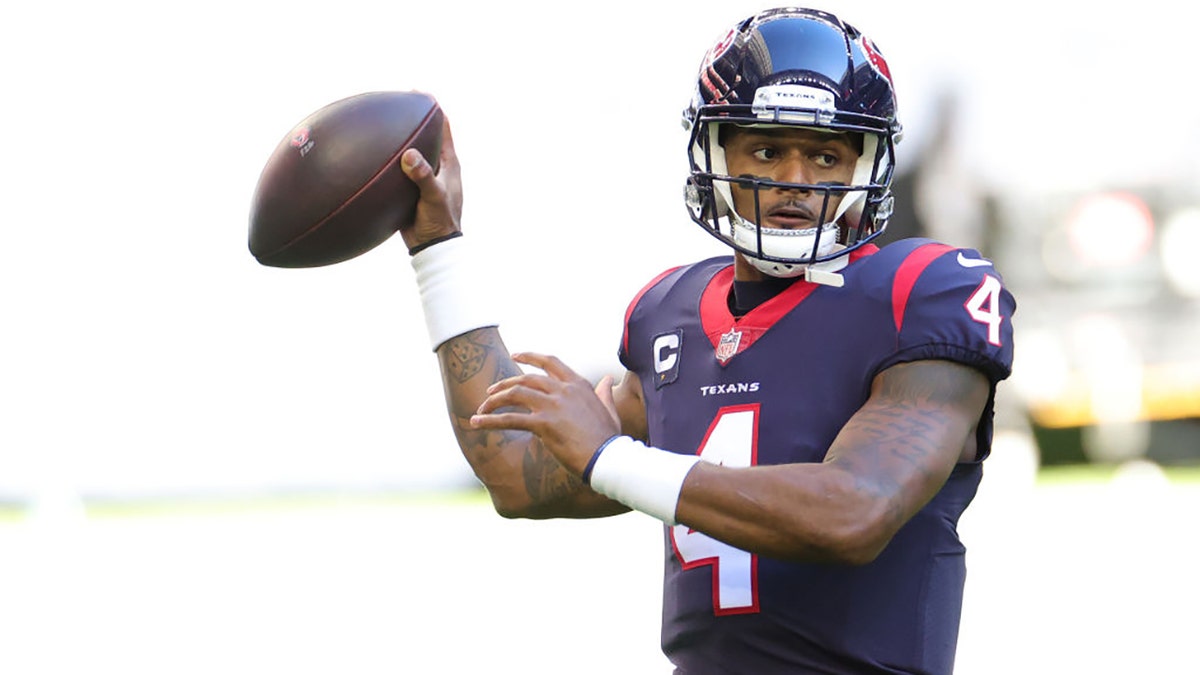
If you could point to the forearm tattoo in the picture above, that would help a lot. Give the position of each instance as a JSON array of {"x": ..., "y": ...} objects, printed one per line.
[
  {"x": 545, "y": 478},
  {"x": 467, "y": 354},
  {"x": 464, "y": 358},
  {"x": 481, "y": 353}
]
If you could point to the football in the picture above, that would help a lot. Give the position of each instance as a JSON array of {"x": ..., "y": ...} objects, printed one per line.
[{"x": 333, "y": 189}]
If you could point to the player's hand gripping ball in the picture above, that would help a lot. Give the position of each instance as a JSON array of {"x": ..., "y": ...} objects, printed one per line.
[{"x": 333, "y": 189}]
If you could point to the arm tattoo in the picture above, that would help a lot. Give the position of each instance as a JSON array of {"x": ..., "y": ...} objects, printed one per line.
[
  {"x": 466, "y": 357},
  {"x": 545, "y": 478},
  {"x": 468, "y": 353},
  {"x": 908, "y": 430},
  {"x": 917, "y": 406}
]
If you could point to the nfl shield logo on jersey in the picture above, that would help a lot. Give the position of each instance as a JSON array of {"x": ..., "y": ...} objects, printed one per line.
[{"x": 728, "y": 345}]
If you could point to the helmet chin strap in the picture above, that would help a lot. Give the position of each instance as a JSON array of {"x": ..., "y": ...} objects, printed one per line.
[
  {"x": 792, "y": 244},
  {"x": 824, "y": 273}
]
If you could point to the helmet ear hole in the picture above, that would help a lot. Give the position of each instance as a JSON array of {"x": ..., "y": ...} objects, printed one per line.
[{"x": 698, "y": 195}]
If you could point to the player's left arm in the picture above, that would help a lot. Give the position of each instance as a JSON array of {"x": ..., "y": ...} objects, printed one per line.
[{"x": 888, "y": 461}]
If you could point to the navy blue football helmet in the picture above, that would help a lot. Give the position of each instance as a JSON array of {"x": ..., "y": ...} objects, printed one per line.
[{"x": 794, "y": 68}]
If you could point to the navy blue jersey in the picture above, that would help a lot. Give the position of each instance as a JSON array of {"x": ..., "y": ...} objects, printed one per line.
[{"x": 774, "y": 387}]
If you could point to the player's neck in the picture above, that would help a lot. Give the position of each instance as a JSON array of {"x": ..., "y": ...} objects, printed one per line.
[{"x": 746, "y": 295}]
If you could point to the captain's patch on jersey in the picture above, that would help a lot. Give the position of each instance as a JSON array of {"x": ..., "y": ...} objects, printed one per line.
[{"x": 666, "y": 357}]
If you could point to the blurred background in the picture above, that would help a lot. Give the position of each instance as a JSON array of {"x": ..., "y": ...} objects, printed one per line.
[{"x": 206, "y": 463}]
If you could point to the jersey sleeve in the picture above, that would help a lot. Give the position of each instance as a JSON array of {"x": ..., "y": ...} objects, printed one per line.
[
  {"x": 950, "y": 303},
  {"x": 632, "y": 313}
]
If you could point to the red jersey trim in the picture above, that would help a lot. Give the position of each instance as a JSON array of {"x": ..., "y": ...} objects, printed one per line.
[
  {"x": 908, "y": 273},
  {"x": 633, "y": 304},
  {"x": 717, "y": 320}
]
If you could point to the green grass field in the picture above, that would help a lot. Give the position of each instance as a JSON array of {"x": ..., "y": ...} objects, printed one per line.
[
  {"x": 1076, "y": 571},
  {"x": 1098, "y": 473}
]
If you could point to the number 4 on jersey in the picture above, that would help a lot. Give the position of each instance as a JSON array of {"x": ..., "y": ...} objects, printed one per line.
[
  {"x": 732, "y": 440},
  {"x": 984, "y": 307}
]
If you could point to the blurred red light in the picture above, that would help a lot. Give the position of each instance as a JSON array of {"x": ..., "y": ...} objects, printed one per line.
[{"x": 1110, "y": 229}]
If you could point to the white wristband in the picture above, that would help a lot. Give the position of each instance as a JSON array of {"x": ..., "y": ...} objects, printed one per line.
[
  {"x": 451, "y": 295},
  {"x": 643, "y": 478}
]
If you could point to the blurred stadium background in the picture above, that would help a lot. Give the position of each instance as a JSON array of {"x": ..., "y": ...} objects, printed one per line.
[{"x": 206, "y": 465}]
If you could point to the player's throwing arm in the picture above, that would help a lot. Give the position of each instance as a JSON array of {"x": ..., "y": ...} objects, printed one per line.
[{"x": 522, "y": 477}]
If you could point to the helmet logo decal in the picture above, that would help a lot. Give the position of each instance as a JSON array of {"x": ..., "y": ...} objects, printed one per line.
[
  {"x": 718, "y": 50},
  {"x": 710, "y": 80},
  {"x": 875, "y": 58}
]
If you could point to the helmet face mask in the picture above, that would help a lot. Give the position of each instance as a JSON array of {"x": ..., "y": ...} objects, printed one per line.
[{"x": 800, "y": 69}]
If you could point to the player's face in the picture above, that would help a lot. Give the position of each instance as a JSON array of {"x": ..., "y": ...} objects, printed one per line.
[{"x": 789, "y": 156}]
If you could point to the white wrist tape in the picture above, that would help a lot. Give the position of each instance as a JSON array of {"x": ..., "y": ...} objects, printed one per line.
[
  {"x": 640, "y": 477},
  {"x": 452, "y": 296}
]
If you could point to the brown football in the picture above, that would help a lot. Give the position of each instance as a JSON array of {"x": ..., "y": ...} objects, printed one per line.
[{"x": 333, "y": 189}]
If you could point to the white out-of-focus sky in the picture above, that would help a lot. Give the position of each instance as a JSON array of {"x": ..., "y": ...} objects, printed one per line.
[{"x": 145, "y": 351}]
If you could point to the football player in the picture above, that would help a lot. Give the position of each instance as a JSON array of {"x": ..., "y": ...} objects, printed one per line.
[{"x": 808, "y": 417}]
